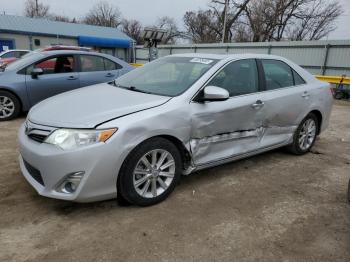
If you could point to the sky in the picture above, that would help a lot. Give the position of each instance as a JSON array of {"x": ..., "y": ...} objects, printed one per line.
[{"x": 147, "y": 11}]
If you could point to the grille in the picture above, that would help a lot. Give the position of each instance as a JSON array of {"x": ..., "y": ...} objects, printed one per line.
[
  {"x": 35, "y": 173},
  {"x": 36, "y": 132},
  {"x": 37, "y": 137}
]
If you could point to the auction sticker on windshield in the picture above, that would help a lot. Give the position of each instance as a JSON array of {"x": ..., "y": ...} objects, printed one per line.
[{"x": 202, "y": 61}]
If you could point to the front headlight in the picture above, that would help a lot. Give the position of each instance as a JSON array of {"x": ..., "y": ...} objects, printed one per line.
[{"x": 68, "y": 139}]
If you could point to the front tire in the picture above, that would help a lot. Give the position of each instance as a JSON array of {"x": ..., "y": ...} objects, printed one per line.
[
  {"x": 9, "y": 106},
  {"x": 305, "y": 135},
  {"x": 150, "y": 172}
]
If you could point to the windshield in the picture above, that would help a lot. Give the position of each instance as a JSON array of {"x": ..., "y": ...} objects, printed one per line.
[
  {"x": 169, "y": 76},
  {"x": 24, "y": 61}
]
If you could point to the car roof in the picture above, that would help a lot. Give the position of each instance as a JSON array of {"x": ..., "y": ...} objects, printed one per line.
[
  {"x": 15, "y": 50},
  {"x": 229, "y": 56},
  {"x": 76, "y": 52}
]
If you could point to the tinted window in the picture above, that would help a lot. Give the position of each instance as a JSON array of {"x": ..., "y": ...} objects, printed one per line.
[
  {"x": 110, "y": 65},
  {"x": 238, "y": 78},
  {"x": 9, "y": 55},
  {"x": 22, "y": 53},
  {"x": 298, "y": 80},
  {"x": 91, "y": 63},
  {"x": 277, "y": 74},
  {"x": 55, "y": 65}
]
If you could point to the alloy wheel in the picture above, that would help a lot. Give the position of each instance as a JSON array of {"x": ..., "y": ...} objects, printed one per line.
[
  {"x": 307, "y": 134},
  {"x": 7, "y": 107},
  {"x": 154, "y": 173}
]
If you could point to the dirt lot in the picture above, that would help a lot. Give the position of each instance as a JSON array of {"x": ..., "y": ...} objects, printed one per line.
[{"x": 272, "y": 207}]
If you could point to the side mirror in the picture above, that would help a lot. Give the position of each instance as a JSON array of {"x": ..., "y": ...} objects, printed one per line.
[
  {"x": 214, "y": 93},
  {"x": 36, "y": 72}
]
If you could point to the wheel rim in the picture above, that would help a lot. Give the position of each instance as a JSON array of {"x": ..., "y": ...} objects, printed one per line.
[
  {"x": 154, "y": 173},
  {"x": 7, "y": 107},
  {"x": 307, "y": 134}
]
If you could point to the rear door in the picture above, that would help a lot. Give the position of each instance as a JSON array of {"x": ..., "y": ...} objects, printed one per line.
[
  {"x": 285, "y": 98},
  {"x": 60, "y": 75},
  {"x": 97, "y": 69}
]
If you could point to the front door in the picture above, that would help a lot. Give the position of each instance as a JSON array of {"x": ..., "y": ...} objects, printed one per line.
[
  {"x": 59, "y": 75},
  {"x": 227, "y": 128}
]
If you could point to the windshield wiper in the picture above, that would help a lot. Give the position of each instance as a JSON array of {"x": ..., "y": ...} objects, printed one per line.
[{"x": 132, "y": 88}]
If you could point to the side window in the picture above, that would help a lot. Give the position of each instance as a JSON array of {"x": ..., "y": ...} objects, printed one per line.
[
  {"x": 91, "y": 63},
  {"x": 8, "y": 55},
  {"x": 55, "y": 65},
  {"x": 238, "y": 78},
  {"x": 298, "y": 80},
  {"x": 22, "y": 53},
  {"x": 110, "y": 65},
  {"x": 277, "y": 74}
]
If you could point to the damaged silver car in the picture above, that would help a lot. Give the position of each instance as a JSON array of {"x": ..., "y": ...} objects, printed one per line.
[{"x": 135, "y": 137}]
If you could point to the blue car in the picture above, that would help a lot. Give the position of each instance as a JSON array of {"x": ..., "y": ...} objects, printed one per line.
[{"x": 39, "y": 75}]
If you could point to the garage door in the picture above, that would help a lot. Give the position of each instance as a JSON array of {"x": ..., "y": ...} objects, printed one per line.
[{"x": 5, "y": 45}]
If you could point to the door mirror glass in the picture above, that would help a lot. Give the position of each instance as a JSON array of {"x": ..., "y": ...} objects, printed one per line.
[
  {"x": 214, "y": 93},
  {"x": 36, "y": 72}
]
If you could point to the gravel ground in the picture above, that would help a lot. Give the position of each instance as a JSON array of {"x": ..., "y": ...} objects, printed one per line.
[{"x": 272, "y": 207}]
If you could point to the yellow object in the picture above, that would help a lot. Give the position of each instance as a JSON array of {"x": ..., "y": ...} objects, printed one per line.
[
  {"x": 136, "y": 65},
  {"x": 334, "y": 79}
]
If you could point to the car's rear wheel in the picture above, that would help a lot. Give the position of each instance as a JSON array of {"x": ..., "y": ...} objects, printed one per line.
[
  {"x": 150, "y": 173},
  {"x": 305, "y": 135},
  {"x": 9, "y": 106}
]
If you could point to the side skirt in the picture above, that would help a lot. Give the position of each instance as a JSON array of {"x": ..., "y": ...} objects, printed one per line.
[{"x": 234, "y": 158}]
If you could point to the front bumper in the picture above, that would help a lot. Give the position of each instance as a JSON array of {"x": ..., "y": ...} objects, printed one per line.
[{"x": 100, "y": 163}]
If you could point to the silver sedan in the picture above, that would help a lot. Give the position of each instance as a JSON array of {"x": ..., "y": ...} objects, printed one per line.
[{"x": 134, "y": 138}]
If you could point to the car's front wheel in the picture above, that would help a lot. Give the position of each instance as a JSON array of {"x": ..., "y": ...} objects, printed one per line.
[
  {"x": 305, "y": 135},
  {"x": 150, "y": 173},
  {"x": 9, "y": 106}
]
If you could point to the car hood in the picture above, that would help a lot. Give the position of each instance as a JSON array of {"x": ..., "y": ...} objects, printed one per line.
[{"x": 90, "y": 106}]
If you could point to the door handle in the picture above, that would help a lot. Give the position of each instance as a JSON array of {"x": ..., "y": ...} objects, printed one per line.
[
  {"x": 305, "y": 95},
  {"x": 72, "y": 78},
  {"x": 109, "y": 75},
  {"x": 258, "y": 104}
]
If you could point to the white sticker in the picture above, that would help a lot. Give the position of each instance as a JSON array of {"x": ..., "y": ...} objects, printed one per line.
[{"x": 202, "y": 61}]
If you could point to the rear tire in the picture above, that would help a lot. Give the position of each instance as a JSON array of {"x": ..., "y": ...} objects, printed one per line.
[
  {"x": 150, "y": 172},
  {"x": 305, "y": 135},
  {"x": 10, "y": 106}
]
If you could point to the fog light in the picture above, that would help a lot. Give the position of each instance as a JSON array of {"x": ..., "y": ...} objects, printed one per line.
[{"x": 70, "y": 183}]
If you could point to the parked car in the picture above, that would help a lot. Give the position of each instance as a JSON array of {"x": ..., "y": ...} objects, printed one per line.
[
  {"x": 133, "y": 138},
  {"x": 40, "y": 75},
  {"x": 9, "y": 56}
]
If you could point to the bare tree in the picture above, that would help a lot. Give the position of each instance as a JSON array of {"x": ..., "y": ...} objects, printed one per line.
[
  {"x": 169, "y": 24},
  {"x": 235, "y": 8},
  {"x": 133, "y": 29},
  {"x": 276, "y": 20},
  {"x": 33, "y": 8},
  {"x": 103, "y": 14},
  {"x": 316, "y": 21},
  {"x": 201, "y": 26}
]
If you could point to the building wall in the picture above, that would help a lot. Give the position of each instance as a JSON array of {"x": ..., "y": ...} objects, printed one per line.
[{"x": 24, "y": 41}]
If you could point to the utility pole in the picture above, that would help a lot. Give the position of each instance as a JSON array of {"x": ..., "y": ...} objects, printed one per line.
[
  {"x": 225, "y": 22},
  {"x": 37, "y": 8}
]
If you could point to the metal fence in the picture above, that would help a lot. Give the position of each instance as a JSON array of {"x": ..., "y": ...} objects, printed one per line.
[{"x": 318, "y": 57}]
